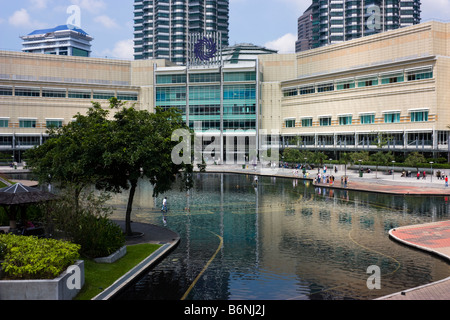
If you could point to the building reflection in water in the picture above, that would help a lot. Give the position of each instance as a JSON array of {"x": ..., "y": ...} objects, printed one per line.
[{"x": 282, "y": 239}]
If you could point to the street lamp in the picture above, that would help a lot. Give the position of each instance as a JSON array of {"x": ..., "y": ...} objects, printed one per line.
[
  {"x": 360, "y": 173},
  {"x": 393, "y": 169},
  {"x": 431, "y": 162}
]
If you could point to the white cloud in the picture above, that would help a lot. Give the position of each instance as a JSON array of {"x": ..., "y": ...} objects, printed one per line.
[
  {"x": 21, "y": 18},
  {"x": 435, "y": 9},
  {"x": 284, "y": 44},
  {"x": 106, "y": 21},
  {"x": 40, "y": 4},
  {"x": 93, "y": 6},
  {"x": 122, "y": 50}
]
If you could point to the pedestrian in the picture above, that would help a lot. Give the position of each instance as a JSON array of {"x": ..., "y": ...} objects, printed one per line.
[
  {"x": 424, "y": 175},
  {"x": 164, "y": 205},
  {"x": 446, "y": 181},
  {"x": 418, "y": 175}
]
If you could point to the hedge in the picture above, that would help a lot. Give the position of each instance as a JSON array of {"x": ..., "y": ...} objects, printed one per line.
[{"x": 33, "y": 258}]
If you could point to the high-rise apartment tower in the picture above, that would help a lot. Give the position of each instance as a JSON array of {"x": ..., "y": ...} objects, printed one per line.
[
  {"x": 161, "y": 27},
  {"x": 340, "y": 20}
]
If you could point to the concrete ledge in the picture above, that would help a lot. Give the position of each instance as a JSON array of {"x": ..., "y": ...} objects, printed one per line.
[
  {"x": 131, "y": 275},
  {"x": 113, "y": 257},
  {"x": 60, "y": 288}
]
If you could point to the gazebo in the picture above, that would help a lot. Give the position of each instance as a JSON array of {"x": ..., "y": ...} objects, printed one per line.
[{"x": 17, "y": 196}]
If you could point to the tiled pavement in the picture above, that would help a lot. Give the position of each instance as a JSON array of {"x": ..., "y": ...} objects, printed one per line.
[{"x": 431, "y": 237}]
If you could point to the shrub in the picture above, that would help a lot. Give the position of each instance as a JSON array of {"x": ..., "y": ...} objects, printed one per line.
[
  {"x": 33, "y": 258},
  {"x": 97, "y": 235},
  {"x": 88, "y": 225}
]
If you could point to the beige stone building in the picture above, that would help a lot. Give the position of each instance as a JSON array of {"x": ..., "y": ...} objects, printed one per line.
[
  {"x": 341, "y": 96},
  {"x": 334, "y": 98}
]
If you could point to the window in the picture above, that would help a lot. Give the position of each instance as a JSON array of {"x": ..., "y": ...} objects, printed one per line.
[
  {"x": 290, "y": 123},
  {"x": 27, "y": 123},
  {"x": 6, "y": 91},
  {"x": 170, "y": 94},
  {"x": 325, "y": 87},
  {"x": 240, "y": 92},
  {"x": 201, "y": 94},
  {"x": 307, "y": 90},
  {"x": 173, "y": 78},
  {"x": 54, "y": 123},
  {"x": 204, "y": 77},
  {"x": 420, "y": 74},
  {"x": 98, "y": 95},
  {"x": 368, "y": 82},
  {"x": 79, "y": 94},
  {"x": 307, "y": 122},
  {"x": 392, "y": 78},
  {"x": 345, "y": 120},
  {"x": 325, "y": 121},
  {"x": 239, "y": 76},
  {"x": 290, "y": 92},
  {"x": 367, "y": 118},
  {"x": 4, "y": 123},
  {"x": 342, "y": 85},
  {"x": 28, "y": 92},
  {"x": 419, "y": 116},
  {"x": 53, "y": 93},
  {"x": 392, "y": 117},
  {"x": 127, "y": 96}
]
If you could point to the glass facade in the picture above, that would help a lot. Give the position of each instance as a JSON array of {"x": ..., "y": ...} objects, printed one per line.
[{"x": 210, "y": 99}]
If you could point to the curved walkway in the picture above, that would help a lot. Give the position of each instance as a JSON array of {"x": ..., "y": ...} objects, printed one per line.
[{"x": 433, "y": 238}]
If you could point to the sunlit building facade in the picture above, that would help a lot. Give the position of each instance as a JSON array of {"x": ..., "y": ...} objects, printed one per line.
[{"x": 333, "y": 99}]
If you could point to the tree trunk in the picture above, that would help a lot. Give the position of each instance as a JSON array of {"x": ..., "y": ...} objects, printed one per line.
[{"x": 128, "y": 230}]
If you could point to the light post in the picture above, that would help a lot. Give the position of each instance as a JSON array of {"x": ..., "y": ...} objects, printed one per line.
[
  {"x": 360, "y": 173},
  {"x": 393, "y": 169},
  {"x": 431, "y": 162}
]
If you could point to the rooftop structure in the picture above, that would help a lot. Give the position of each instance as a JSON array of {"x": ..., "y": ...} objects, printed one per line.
[{"x": 62, "y": 40}]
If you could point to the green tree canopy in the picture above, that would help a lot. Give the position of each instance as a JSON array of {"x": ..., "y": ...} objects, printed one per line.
[
  {"x": 414, "y": 159},
  {"x": 112, "y": 154},
  {"x": 70, "y": 157}
]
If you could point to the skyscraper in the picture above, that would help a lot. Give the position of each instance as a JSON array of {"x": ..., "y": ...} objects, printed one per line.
[
  {"x": 162, "y": 27},
  {"x": 340, "y": 20},
  {"x": 304, "y": 41}
]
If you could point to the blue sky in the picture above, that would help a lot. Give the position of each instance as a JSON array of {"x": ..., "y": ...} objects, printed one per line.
[{"x": 270, "y": 23}]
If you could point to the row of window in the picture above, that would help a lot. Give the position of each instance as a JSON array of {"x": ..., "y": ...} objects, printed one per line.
[
  {"x": 31, "y": 123},
  {"x": 206, "y": 93},
  {"x": 206, "y": 77},
  {"x": 369, "y": 118},
  {"x": 392, "y": 77},
  {"x": 62, "y": 93}
]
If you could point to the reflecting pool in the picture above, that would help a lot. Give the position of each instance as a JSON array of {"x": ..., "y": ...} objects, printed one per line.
[{"x": 283, "y": 239}]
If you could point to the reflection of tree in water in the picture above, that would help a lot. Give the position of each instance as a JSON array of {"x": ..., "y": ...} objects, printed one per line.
[{"x": 287, "y": 237}]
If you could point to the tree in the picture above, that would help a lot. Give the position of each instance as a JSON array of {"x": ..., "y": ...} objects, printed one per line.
[
  {"x": 319, "y": 158},
  {"x": 414, "y": 159},
  {"x": 291, "y": 155},
  {"x": 139, "y": 145},
  {"x": 70, "y": 157},
  {"x": 345, "y": 158},
  {"x": 381, "y": 158}
]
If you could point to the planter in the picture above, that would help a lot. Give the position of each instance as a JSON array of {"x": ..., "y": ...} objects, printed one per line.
[
  {"x": 64, "y": 287},
  {"x": 113, "y": 257}
]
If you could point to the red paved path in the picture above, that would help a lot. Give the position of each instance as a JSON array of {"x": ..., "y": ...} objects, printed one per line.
[{"x": 432, "y": 237}]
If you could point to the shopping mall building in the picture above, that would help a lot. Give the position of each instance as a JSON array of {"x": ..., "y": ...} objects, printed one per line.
[{"x": 333, "y": 99}]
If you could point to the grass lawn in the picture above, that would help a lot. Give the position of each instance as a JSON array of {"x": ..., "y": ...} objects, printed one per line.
[{"x": 99, "y": 276}]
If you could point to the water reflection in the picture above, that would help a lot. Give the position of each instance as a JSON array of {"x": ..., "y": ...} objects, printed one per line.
[{"x": 283, "y": 239}]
